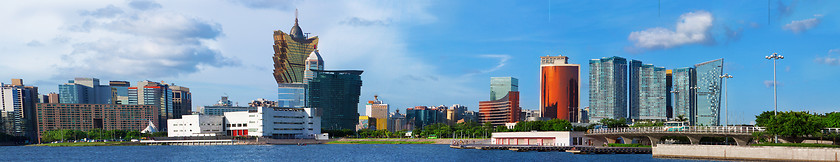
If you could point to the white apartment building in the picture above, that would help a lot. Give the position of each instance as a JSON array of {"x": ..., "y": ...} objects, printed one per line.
[
  {"x": 274, "y": 122},
  {"x": 196, "y": 125}
]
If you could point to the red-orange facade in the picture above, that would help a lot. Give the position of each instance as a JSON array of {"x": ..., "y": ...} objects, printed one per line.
[
  {"x": 501, "y": 111},
  {"x": 559, "y": 92}
]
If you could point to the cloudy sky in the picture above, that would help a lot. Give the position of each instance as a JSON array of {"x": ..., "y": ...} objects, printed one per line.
[{"x": 425, "y": 52}]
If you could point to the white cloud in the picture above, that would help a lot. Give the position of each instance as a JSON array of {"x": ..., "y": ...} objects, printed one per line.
[
  {"x": 502, "y": 62},
  {"x": 833, "y": 58},
  {"x": 769, "y": 83},
  {"x": 798, "y": 26},
  {"x": 692, "y": 27}
]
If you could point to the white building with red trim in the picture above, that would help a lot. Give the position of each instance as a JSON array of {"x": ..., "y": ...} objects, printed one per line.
[{"x": 542, "y": 138}]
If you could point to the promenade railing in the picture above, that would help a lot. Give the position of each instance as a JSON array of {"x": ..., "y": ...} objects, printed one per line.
[{"x": 686, "y": 129}]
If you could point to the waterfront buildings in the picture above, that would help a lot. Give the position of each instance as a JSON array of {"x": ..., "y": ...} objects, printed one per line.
[
  {"x": 17, "y": 109},
  {"x": 397, "y": 122},
  {"x": 291, "y": 95},
  {"x": 530, "y": 115},
  {"x": 366, "y": 122},
  {"x": 607, "y": 88},
  {"x": 261, "y": 102},
  {"x": 181, "y": 101},
  {"x": 683, "y": 81},
  {"x": 584, "y": 115},
  {"x": 542, "y": 138},
  {"x": 559, "y": 88},
  {"x": 455, "y": 113},
  {"x": 196, "y": 125},
  {"x": 500, "y": 111},
  {"x": 52, "y": 97},
  {"x": 648, "y": 92},
  {"x": 336, "y": 95},
  {"x": 274, "y": 122},
  {"x": 708, "y": 93},
  {"x": 500, "y": 86},
  {"x": 379, "y": 110},
  {"x": 85, "y": 91},
  {"x": 55, "y": 116},
  {"x": 420, "y": 116},
  {"x": 162, "y": 95}
]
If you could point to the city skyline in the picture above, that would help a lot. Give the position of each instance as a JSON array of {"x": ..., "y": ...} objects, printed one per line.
[{"x": 447, "y": 63}]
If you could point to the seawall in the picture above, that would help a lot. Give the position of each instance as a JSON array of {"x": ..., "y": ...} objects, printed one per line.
[
  {"x": 436, "y": 141},
  {"x": 723, "y": 152}
]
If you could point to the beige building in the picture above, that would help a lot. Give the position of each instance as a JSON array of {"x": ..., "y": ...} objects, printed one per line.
[{"x": 377, "y": 109}]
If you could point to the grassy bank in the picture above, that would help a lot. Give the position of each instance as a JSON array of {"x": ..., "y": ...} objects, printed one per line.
[
  {"x": 796, "y": 145},
  {"x": 380, "y": 142},
  {"x": 627, "y": 145},
  {"x": 68, "y": 144}
]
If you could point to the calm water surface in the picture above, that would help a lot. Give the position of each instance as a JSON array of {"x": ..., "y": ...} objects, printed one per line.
[{"x": 296, "y": 153}]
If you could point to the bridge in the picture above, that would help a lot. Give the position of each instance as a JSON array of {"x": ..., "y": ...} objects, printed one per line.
[{"x": 741, "y": 134}]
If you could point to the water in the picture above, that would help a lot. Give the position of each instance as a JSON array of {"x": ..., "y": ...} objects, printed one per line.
[{"x": 296, "y": 153}]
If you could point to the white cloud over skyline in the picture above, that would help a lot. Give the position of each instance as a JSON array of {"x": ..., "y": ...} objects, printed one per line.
[
  {"x": 692, "y": 27},
  {"x": 799, "y": 26}
]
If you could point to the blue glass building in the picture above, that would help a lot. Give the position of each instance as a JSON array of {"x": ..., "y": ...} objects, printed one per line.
[
  {"x": 708, "y": 92},
  {"x": 648, "y": 92},
  {"x": 607, "y": 88},
  {"x": 335, "y": 94},
  {"x": 500, "y": 86}
]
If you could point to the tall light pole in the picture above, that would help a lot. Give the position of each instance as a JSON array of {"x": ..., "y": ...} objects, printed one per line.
[
  {"x": 774, "y": 57},
  {"x": 726, "y": 95}
]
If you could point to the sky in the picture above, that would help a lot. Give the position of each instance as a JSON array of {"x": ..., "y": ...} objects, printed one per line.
[{"x": 426, "y": 52}]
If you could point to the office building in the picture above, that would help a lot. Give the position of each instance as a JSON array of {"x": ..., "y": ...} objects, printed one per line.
[
  {"x": 708, "y": 93},
  {"x": 379, "y": 110},
  {"x": 647, "y": 97},
  {"x": 336, "y": 95},
  {"x": 669, "y": 104},
  {"x": 501, "y": 111},
  {"x": 313, "y": 63},
  {"x": 290, "y": 53},
  {"x": 85, "y": 91},
  {"x": 500, "y": 86},
  {"x": 291, "y": 95},
  {"x": 196, "y": 126},
  {"x": 181, "y": 101},
  {"x": 455, "y": 113},
  {"x": 420, "y": 116},
  {"x": 274, "y": 122},
  {"x": 56, "y": 116},
  {"x": 397, "y": 122},
  {"x": 607, "y": 88},
  {"x": 158, "y": 94},
  {"x": 469, "y": 116},
  {"x": 17, "y": 109},
  {"x": 530, "y": 115},
  {"x": 584, "y": 115},
  {"x": 220, "y": 110},
  {"x": 120, "y": 90},
  {"x": 52, "y": 97},
  {"x": 559, "y": 88}
]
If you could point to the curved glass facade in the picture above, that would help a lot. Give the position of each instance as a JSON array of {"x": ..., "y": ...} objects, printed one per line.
[{"x": 559, "y": 91}]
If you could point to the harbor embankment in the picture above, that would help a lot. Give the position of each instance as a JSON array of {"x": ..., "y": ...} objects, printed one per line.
[{"x": 761, "y": 153}]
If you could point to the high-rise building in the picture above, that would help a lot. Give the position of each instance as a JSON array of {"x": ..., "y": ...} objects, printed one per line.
[
  {"x": 420, "y": 116},
  {"x": 291, "y": 95},
  {"x": 379, "y": 110},
  {"x": 52, "y": 98},
  {"x": 648, "y": 92},
  {"x": 335, "y": 94},
  {"x": 313, "y": 63},
  {"x": 584, "y": 115},
  {"x": 559, "y": 88},
  {"x": 455, "y": 113},
  {"x": 290, "y": 53},
  {"x": 181, "y": 101},
  {"x": 500, "y": 86},
  {"x": 157, "y": 94},
  {"x": 530, "y": 115},
  {"x": 500, "y": 111},
  {"x": 607, "y": 88},
  {"x": 120, "y": 89},
  {"x": 17, "y": 109},
  {"x": 55, "y": 116},
  {"x": 85, "y": 91},
  {"x": 682, "y": 87},
  {"x": 669, "y": 106},
  {"x": 708, "y": 92}
]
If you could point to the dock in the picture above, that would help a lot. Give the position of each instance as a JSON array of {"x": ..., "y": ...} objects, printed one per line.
[{"x": 571, "y": 149}]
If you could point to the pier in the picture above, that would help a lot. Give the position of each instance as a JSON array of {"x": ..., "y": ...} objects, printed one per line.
[{"x": 572, "y": 149}]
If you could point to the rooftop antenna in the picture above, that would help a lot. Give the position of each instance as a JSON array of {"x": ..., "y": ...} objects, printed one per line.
[
  {"x": 296, "y": 15},
  {"x": 376, "y": 97}
]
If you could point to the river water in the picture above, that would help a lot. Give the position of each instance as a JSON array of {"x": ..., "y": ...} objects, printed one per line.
[{"x": 332, "y": 152}]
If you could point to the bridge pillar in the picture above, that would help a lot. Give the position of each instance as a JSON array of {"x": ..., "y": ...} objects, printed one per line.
[
  {"x": 695, "y": 140},
  {"x": 741, "y": 141},
  {"x": 654, "y": 140},
  {"x": 626, "y": 140}
]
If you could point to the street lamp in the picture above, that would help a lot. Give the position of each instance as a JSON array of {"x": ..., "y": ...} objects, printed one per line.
[
  {"x": 726, "y": 96},
  {"x": 774, "y": 57}
]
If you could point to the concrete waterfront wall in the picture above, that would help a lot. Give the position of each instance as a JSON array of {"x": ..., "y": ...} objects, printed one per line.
[
  {"x": 746, "y": 152},
  {"x": 437, "y": 141}
]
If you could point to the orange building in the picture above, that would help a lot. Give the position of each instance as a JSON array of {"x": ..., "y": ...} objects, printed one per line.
[
  {"x": 501, "y": 111},
  {"x": 559, "y": 88}
]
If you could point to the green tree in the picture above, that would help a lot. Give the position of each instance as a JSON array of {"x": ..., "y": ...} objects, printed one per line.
[
  {"x": 832, "y": 120},
  {"x": 791, "y": 123},
  {"x": 613, "y": 123}
]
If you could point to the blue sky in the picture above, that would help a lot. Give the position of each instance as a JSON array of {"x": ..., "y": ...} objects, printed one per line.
[{"x": 426, "y": 52}]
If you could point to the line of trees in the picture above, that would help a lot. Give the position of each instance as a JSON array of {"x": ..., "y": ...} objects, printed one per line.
[
  {"x": 797, "y": 124},
  {"x": 96, "y": 134},
  {"x": 468, "y": 129}
]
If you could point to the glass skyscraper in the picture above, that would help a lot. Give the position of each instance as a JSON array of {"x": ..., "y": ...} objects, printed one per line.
[
  {"x": 290, "y": 53},
  {"x": 85, "y": 91},
  {"x": 682, "y": 83},
  {"x": 335, "y": 94},
  {"x": 648, "y": 92},
  {"x": 607, "y": 88},
  {"x": 708, "y": 92},
  {"x": 559, "y": 88},
  {"x": 291, "y": 95},
  {"x": 500, "y": 86}
]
